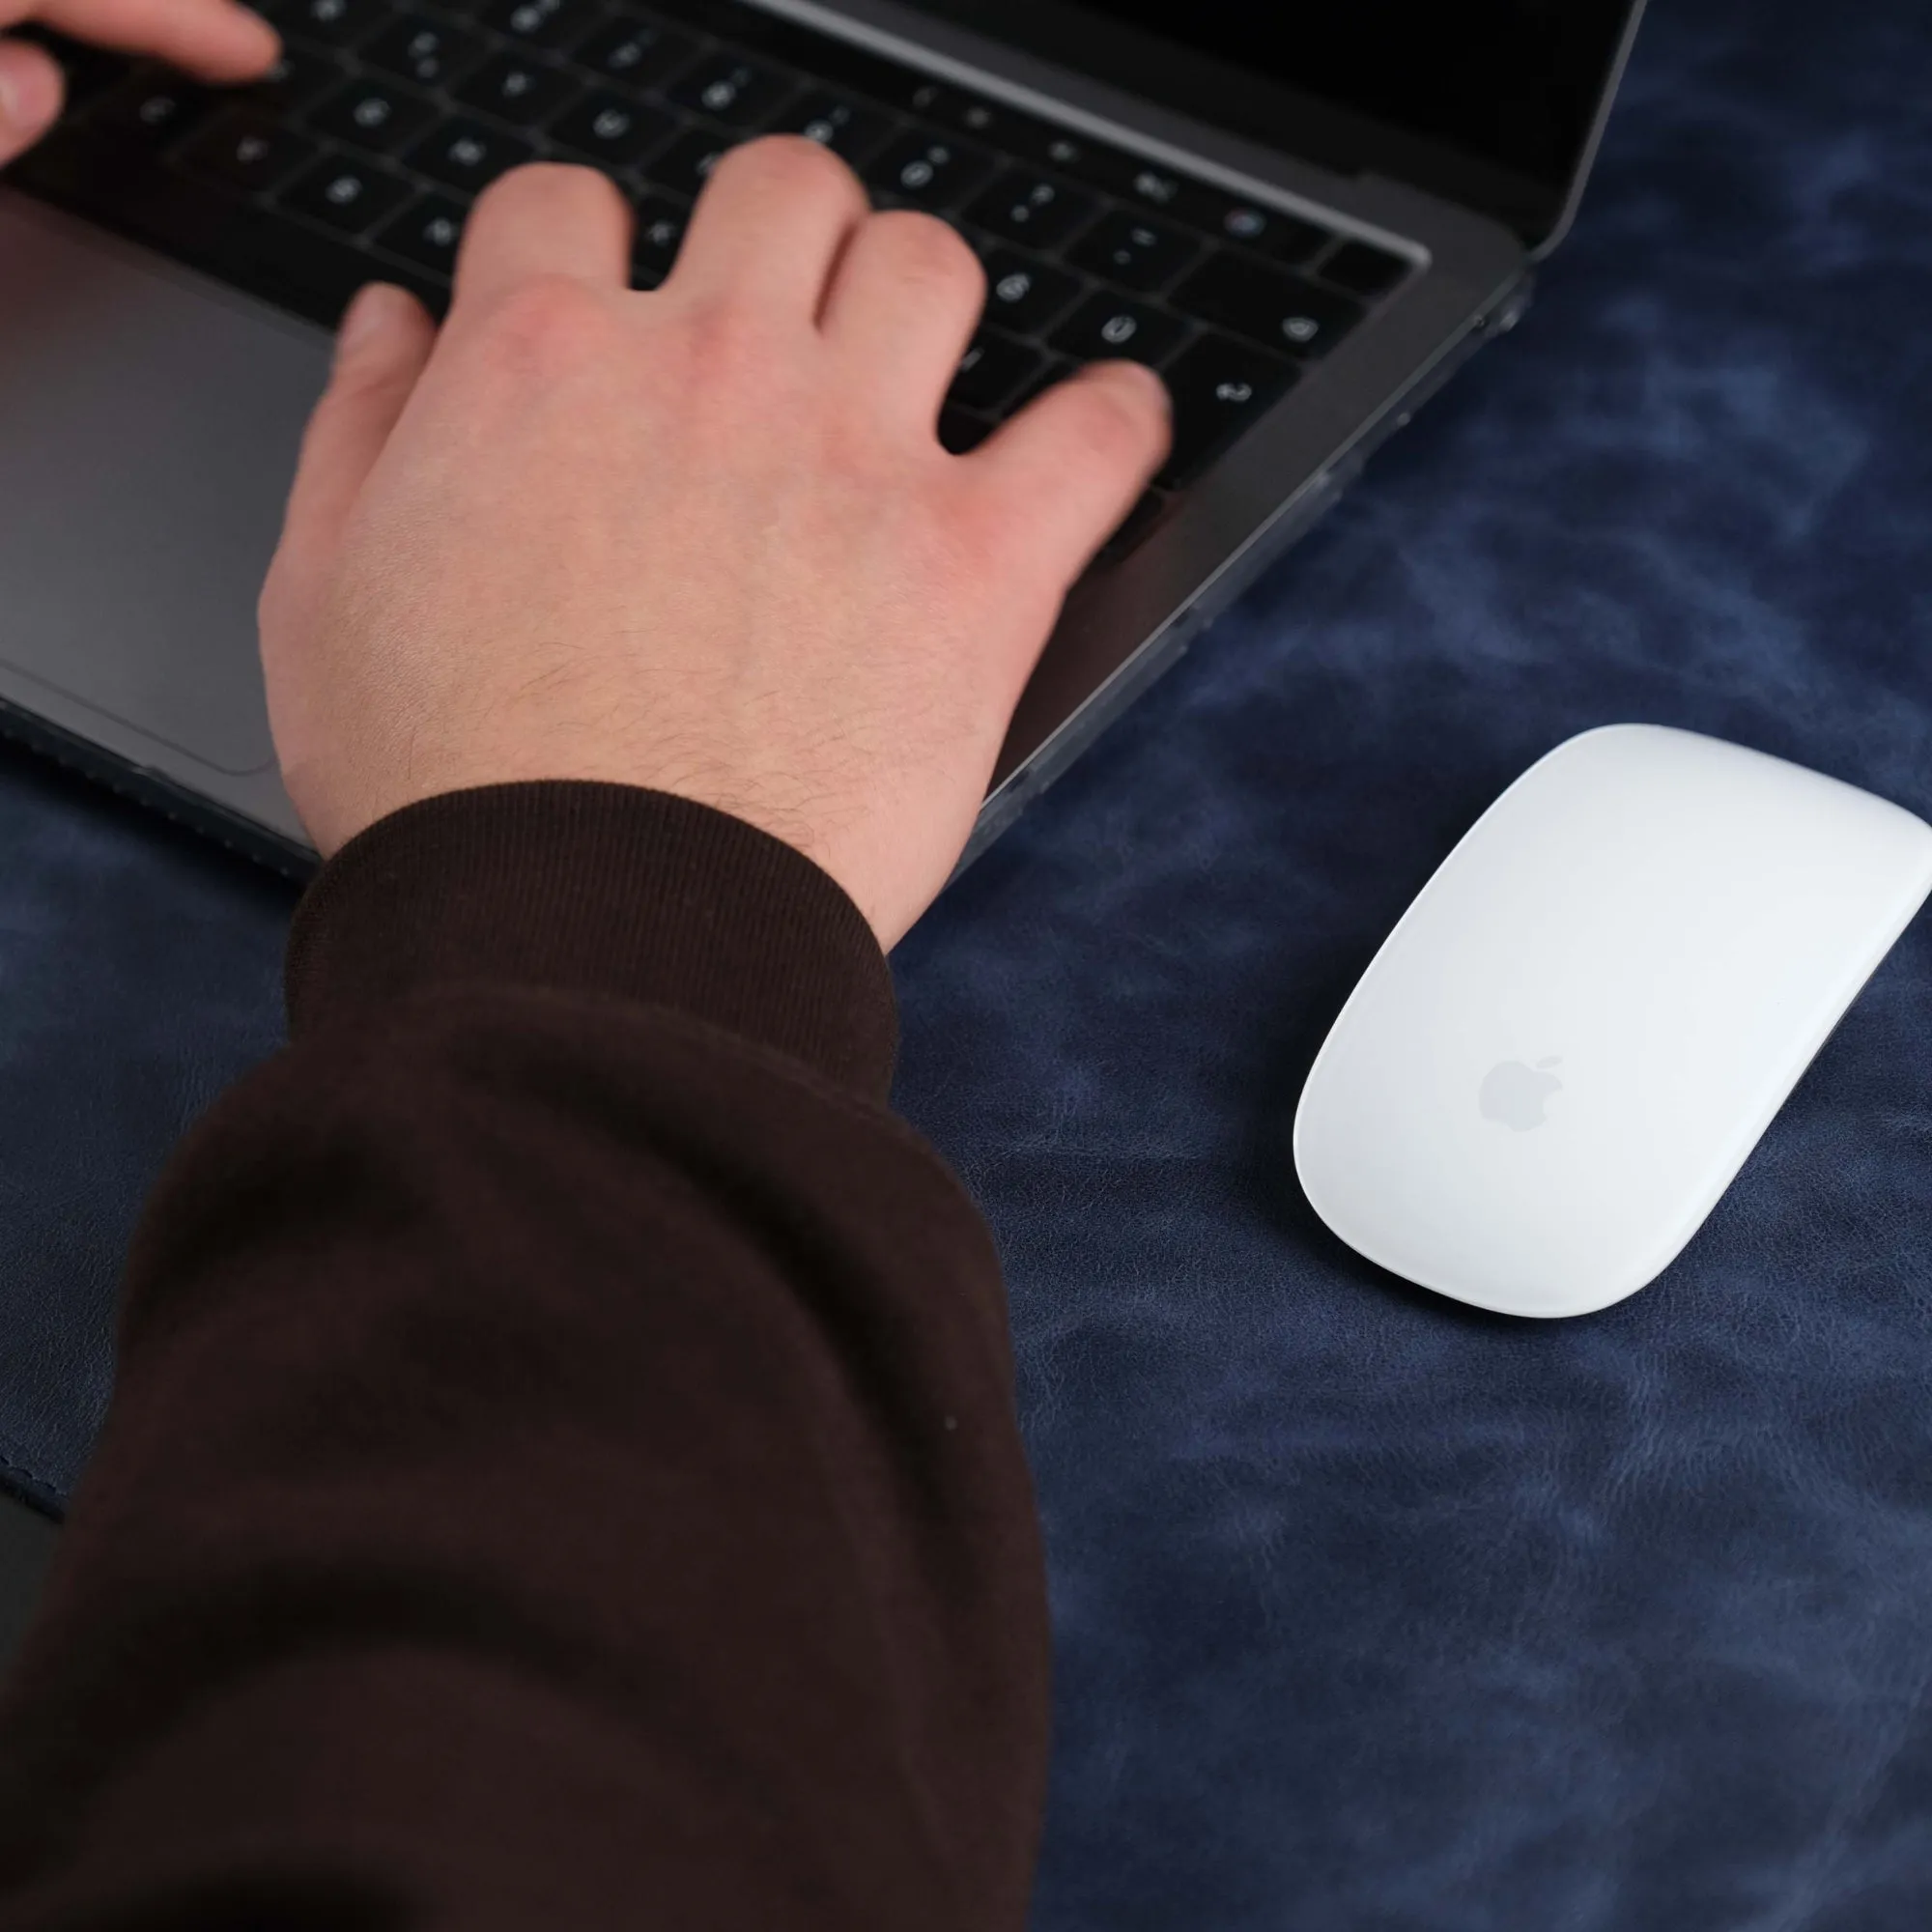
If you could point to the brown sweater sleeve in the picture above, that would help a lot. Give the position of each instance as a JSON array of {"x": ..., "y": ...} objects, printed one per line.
[{"x": 562, "y": 1471}]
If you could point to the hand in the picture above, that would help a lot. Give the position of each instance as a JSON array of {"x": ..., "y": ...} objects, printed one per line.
[
  {"x": 215, "y": 39},
  {"x": 704, "y": 540}
]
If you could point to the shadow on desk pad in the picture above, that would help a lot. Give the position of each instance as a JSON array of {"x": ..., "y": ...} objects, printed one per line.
[{"x": 1373, "y": 1612}]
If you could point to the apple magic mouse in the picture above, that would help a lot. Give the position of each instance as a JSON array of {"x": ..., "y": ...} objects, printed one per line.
[{"x": 1571, "y": 1041}]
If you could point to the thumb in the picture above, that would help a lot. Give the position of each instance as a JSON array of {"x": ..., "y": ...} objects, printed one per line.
[{"x": 30, "y": 96}]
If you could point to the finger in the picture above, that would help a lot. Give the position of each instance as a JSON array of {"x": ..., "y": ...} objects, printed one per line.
[
  {"x": 215, "y": 39},
  {"x": 1072, "y": 465},
  {"x": 769, "y": 225},
  {"x": 546, "y": 219},
  {"x": 30, "y": 96},
  {"x": 903, "y": 305},
  {"x": 384, "y": 342}
]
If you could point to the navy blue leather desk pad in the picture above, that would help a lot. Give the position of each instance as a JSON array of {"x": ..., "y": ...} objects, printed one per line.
[{"x": 1373, "y": 1613}]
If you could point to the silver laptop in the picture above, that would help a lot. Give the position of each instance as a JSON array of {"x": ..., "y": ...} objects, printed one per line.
[{"x": 1306, "y": 218}]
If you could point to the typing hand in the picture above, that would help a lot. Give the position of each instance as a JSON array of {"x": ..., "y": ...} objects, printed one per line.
[
  {"x": 704, "y": 540},
  {"x": 215, "y": 39}
]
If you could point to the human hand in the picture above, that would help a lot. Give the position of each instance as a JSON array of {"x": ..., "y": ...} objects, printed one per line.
[
  {"x": 704, "y": 540},
  {"x": 215, "y": 39}
]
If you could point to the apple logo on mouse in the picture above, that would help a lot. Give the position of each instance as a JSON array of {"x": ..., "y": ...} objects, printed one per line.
[{"x": 1514, "y": 1094}]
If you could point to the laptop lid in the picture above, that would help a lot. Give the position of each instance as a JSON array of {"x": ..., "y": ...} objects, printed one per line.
[{"x": 1494, "y": 104}]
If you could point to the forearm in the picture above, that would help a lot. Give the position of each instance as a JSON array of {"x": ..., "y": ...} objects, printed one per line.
[{"x": 564, "y": 1463}]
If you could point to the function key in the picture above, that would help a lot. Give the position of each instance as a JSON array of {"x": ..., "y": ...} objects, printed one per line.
[
  {"x": 468, "y": 155},
  {"x": 658, "y": 237},
  {"x": 1107, "y": 327},
  {"x": 686, "y": 166},
  {"x": 425, "y": 51},
  {"x": 852, "y": 133},
  {"x": 1134, "y": 252},
  {"x": 542, "y": 23},
  {"x": 1363, "y": 271},
  {"x": 347, "y": 194},
  {"x": 517, "y": 89},
  {"x": 427, "y": 233},
  {"x": 611, "y": 129},
  {"x": 1267, "y": 305},
  {"x": 730, "y": 90},
  {"x": 151, "y": 107},
  {"x": 372, "y": 114},
  {"x": 334, "y": 23},
  {"x": 244, "y": 148},
  {"x": 1026, "y": 295},
  {"x": 928, "y": 172},
  {"x": 1220, "y": 387},
  {"x": 992, "y": 372},
  {"x": 637, "y": 53},
  {"x": 1024, "y": 207}
]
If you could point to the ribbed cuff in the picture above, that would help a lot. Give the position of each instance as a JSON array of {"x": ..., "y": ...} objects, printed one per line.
[{"x": 598, "y": 889}]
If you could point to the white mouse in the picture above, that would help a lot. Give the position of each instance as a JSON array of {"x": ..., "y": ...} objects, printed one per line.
[{"x": 1570, "y": 1043}]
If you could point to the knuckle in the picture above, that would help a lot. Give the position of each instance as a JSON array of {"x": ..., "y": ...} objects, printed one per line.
[{"x": 550, "y": 323}]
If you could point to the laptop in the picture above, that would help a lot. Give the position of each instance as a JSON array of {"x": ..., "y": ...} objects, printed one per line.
[{"x": 1307, "y": 218}]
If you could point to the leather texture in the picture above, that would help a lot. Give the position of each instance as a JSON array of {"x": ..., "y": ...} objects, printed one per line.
[{"x": 1373, "y": 1612}]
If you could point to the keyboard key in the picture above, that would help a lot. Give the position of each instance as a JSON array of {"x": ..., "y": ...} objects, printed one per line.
[
  {"x": 1077, "y": 155},
  {"x": 333, "y": 23},
  {"x": 376, "y": 115},
  {"x": 542, "y": 24},
  {"x": 1220, "y": 387},
  {"x": 1108, "y": 327},
  {"x": 427, "y": 232},
  {"x": 659, "y": 236},
  {"x": 853, "y": 133},
  {"x": 1363, "y": 271},
  {"x": 1267, "y": 305},
  {"x": 85, "y": 70},
  {"x": 730, "y": 90},
  {"x": 294, "y": 80},
  {"x": 150, "y": 108},
  {"x": 468, "y": 155},
  {"x": 245, "y": 149},
  {"x": 961, "y": 431},
  {"x": 992, "y": 372},
  {"x": 928, "y": 172},
  {"x": 1134, "y": 252},
  {"x": 685, "y": 166},
  {"x": 638, "y": 52},
  {"x": 1285, "y": 237},
  {"x": 1031, "y": 207},
  {"x": 348, "y": 194},
  {"x": 1027, "y": 296},
  {"x": 426, "y": 52},
  {"x": 519, "y": 90},
  {"x": 611, "y": 130},
  {"x": 989, "y": 121}
]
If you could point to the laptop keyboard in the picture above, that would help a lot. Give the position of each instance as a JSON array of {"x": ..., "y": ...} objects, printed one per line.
[{"x": 359, "y": 157}]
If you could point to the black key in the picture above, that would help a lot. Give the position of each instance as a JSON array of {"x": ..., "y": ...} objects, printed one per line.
[
  {"x": 962, "y": 432},
  {"x": 542, "y": 24},
  {"x": 1285, "y": 237},
  {"x": 637, "y": 53},
  {"x": 468, "y": 155},
  {"x": 348, "y": 194},
  {"x": 1267, "y": 305},
  {"x": 376, "y": 115},
  {"x": 1363, "y": 271},
  {"x": 85, "y": 70},
  {"x": 1135, "y": 252},
  {"x": 987, "y": 120},
  {"x": 930, "y": 172},
  {"x": 517, "y": 89},
  {"x": 427, "y": 232},
  {"x": 1075, "y": 155},
  {"x": 659, "y": 236},
  {"x": 294, "y": 80},
  {"x": 1026, "y": 295},
  {"x": 853, "y": 133},
  {"x": 992, "y": 372},
  {"x": 611, "y": 130},
  {"x": 1219, "y": 388},
  {"x": 245, "y": 149},
  {"x": 1058, "y": 369},
  {"x": 333, "y": 23},
  {"x": 1107, "y": 327},
  {"x": 685, "y": 166},
  {"x": 1031, "y": 207},
  {"x": 426, "y": 52},
  {"x": 730, "y": 90},
  {"x": 151, "y": 107}
]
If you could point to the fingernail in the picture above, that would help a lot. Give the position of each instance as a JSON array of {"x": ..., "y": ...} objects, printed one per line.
[
  {"x": 30, "y": 91},
  {"x": 367, "y": 317}
]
